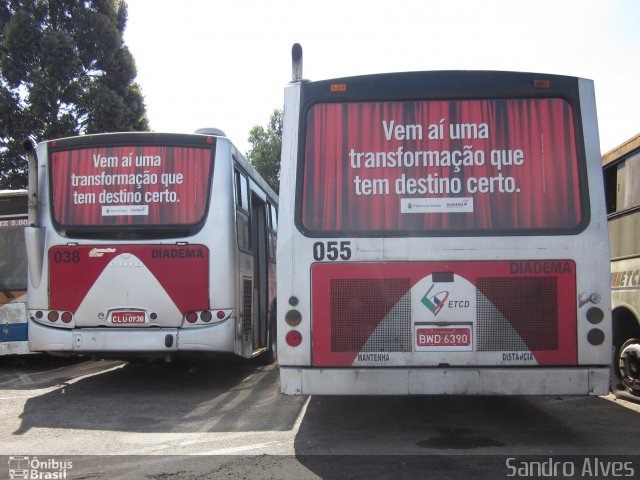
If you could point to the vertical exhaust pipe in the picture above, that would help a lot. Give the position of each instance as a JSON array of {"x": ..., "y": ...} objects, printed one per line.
[{"x": 296, "y": 62}]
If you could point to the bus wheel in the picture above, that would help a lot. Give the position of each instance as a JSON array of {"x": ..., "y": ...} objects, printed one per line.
[{"x": 627, "y": 366}]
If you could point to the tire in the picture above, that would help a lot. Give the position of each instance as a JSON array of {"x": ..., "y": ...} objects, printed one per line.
[{"x": 626, "y": 367}]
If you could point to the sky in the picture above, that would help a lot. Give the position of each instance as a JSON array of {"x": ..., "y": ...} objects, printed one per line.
[{"x": 225, "y": 63}]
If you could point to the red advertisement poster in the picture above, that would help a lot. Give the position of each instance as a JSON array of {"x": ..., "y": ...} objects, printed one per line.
[
  {"x": 130, "y": 185},
  {"x": 499, "y": 164}
]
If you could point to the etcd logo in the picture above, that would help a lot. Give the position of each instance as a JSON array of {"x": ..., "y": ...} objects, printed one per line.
[{"x": 436, "y": 302}]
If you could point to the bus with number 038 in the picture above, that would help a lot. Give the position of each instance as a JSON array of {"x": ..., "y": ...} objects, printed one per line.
[
  {"x": 622, "y": 177},
  {"x": 150, "y": 244},
  {"x": 13, "y": 273},
  {"x": 442, "y": 233}
]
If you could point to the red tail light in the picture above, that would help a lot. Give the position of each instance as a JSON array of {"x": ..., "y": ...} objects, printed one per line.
[{"x": 294, "y": 338}]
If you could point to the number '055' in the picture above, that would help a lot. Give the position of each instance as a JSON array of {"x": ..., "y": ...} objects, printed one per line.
[{"x": 332, "y": 251}]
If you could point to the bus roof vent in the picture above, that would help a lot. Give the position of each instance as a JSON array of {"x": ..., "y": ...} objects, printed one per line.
[{"x": 210, "y": 131}]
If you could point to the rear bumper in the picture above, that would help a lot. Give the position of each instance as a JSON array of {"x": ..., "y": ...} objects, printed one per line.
[
  {"x": 14, "y": 348},
  {"x": 217, "y": 337},
  {"x": 451, "y": 381}
]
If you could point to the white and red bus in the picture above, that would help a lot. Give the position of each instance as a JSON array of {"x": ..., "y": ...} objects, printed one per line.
[
  {"x": 151, "y": 244},
  {"x": 442, "y": 233},
  {"x": 13, "y": 273}
]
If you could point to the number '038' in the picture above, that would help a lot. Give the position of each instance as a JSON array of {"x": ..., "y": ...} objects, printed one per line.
[
  {"x": 331, "y": 251},
  {"x": 66, "y": 256}
]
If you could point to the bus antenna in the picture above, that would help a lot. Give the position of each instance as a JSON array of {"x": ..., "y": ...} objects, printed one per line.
[{"x": 296, "y": 62}]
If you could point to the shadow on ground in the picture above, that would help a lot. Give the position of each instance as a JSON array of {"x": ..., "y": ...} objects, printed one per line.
[{"x": 223, "y": 395}]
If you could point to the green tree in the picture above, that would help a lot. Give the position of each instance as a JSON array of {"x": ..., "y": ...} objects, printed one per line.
[
  {"x": 266, "y": 146},
  {"x": 64, "y": 70}
]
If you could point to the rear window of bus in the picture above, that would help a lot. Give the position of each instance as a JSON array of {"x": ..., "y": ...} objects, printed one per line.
[
  {"x": 130, "y": 185},
  {"x": 441, "y": 167}
]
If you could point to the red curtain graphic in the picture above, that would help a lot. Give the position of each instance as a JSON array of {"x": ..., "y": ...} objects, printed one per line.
[
  {"x": 144, "y": 185},
  {"x": 514, "y": 158}
]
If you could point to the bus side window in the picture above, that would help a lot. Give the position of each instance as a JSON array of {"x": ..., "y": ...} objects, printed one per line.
[
  {"x": 242, "y": 212},
  {"x": 627, "y": 193},
  {"x": 611, "y": 188},
  {"x": 274, "y": 217},
  {"x": 242, "y": 191},
  {"x": 273, "y": 225}
]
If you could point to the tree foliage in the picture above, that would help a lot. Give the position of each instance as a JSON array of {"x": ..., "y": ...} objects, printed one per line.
[
  {"x": 64, "y": 70},
  {"x": 266, "y": 146}
]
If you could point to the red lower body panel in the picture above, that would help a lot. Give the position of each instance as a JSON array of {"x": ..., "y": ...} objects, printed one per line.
[{"x": 453, "y": 313}]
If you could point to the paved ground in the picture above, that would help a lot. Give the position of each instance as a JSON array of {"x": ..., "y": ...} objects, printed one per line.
[{"x": 227, "y": 419}]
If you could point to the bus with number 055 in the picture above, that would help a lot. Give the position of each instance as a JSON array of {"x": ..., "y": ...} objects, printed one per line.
[
  {"x": 150, "y": 244},
  {"x": 442, "y": 233}
]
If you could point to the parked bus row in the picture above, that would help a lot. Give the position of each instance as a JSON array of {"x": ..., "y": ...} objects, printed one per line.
[{"x": 438, "y": 233}]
